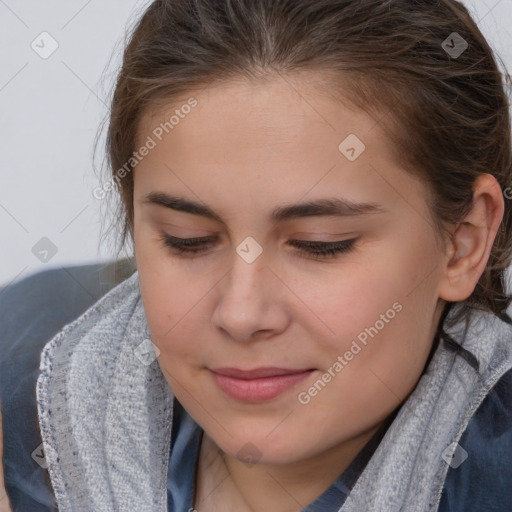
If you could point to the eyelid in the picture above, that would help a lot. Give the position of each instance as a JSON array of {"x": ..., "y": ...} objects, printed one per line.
[
  {"x": 203, "y": 240},
  {"x": 295, "y": 236},
  {"x": 311, "y": 249},
  {"x": 192, "y": 240}
]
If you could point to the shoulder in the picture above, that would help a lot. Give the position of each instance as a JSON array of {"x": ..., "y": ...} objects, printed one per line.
[{"x": 480, "y": 479}]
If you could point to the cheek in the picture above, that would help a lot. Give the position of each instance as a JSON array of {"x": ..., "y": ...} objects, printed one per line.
[
  {"x": 171, "y": 309},
  {"x": 168, "y": 302},
  {"x": 383, "y": 361},
  {"x": 174, "y": 302},
  {"x": 161, "y": 289},
  {"x": 375, "y": 318},
  {"x": 376, "y": 366},
  {"x": 340, "y": 303}
]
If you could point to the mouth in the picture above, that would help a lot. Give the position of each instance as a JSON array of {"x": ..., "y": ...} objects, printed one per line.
[{"x": 258, "y": 384}]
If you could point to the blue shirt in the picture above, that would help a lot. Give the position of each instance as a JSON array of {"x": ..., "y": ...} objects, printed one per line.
[{"x": 185, "y": 443}]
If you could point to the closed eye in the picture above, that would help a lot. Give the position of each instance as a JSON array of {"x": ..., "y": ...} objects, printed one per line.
[{"x": 191, "y": 247}]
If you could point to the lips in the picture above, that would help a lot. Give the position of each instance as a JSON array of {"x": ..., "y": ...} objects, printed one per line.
[
  {"x": 258, "y": 384},
  {"x": 258, "y": 373}
]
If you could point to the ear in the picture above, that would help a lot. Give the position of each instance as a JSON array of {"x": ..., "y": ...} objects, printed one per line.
[{"x": 472, "y": 241}]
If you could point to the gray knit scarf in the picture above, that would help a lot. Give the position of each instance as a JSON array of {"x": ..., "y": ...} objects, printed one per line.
[{"x": 106, "y": 417}]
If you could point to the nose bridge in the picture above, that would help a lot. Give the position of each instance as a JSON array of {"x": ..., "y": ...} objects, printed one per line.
[
  {"x": 246, "y": 272},
  {"x": 244, "y": 295}
]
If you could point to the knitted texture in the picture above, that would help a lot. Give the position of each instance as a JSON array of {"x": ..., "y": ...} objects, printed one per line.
[{"x": 105, "y": 416}]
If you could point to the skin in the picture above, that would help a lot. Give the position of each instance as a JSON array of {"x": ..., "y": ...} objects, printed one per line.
[{"x": 247, "y": 148}]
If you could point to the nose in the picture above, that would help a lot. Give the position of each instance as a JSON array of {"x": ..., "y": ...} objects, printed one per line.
[{"x": 251, "y": 302}]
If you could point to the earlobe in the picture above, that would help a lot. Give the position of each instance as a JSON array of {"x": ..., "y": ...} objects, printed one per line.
[{"x": 472, "y": 241}]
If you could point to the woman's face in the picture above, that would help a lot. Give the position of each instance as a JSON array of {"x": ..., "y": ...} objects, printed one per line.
[{"x": 362, "y": 319}]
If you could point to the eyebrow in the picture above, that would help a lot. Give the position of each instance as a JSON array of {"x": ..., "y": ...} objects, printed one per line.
[{"x": 322, "y": 207}]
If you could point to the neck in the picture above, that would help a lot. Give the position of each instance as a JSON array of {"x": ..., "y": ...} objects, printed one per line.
[{"x": 226, "y": 483}]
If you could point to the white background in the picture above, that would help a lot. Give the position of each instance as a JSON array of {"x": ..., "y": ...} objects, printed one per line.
[{"x": 51, "y": 111}]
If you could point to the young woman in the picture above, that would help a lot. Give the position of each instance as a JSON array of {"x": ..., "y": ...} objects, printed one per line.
[{"x": 316, "y": 192}]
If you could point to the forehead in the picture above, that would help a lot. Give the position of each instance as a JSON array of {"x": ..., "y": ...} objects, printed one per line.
[
  {"x": 267, "y": 110},
  {"x": 287, "y": 136}
]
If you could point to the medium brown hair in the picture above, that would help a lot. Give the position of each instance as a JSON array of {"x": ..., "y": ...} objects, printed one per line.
[{"x": 446, "y": 114}]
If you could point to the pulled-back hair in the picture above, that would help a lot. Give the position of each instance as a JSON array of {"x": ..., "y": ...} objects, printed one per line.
[{"x": 447, "y": 114}]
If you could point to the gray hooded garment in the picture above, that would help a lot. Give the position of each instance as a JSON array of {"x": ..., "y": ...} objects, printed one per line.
[{"x": 106, "y": 417}]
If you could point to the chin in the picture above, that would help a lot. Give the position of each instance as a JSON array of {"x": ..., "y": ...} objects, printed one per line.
[{"x": 260, "y": 450}]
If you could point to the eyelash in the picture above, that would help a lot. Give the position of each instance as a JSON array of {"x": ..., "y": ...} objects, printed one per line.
[{"x": 325, "y": 250}]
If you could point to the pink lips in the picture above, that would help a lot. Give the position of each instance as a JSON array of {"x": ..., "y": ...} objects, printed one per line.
[{"x": 258, "y": 384}]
